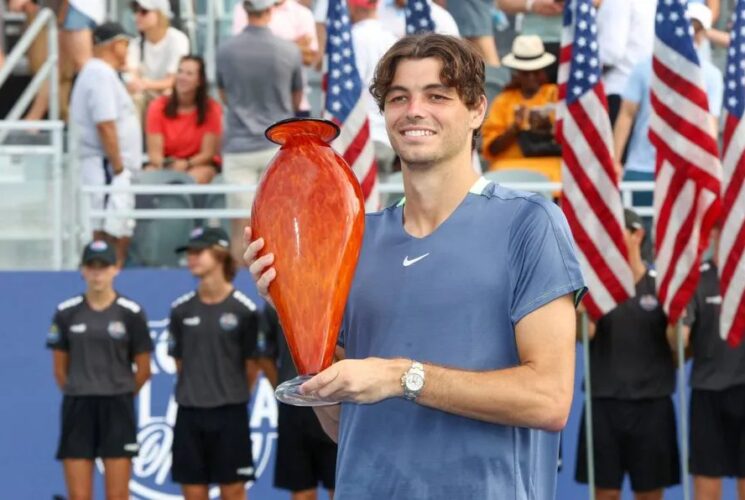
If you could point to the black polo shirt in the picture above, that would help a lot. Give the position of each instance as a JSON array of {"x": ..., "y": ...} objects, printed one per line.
[
  {"x": 629, "y": 356},
  {"x": 213, "y": 342},
  {"x": 101, "y": 345},
  {"x": 716, "y": 365}
]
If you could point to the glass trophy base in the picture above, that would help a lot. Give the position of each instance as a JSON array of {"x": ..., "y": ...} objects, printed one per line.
[{"x": 289, "y": 393}]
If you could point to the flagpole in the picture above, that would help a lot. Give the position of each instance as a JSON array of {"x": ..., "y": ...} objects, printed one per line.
[
  {"x": 682, "y": 411},
  {"x": 590, "y": 449}
]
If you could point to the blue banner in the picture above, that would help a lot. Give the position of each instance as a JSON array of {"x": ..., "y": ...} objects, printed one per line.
[{"x": 29, "y": 419}]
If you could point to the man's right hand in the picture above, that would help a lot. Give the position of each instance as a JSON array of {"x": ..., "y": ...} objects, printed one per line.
[{"x": 260, "y": 267}]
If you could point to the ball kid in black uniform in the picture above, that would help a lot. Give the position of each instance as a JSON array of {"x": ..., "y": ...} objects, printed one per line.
[
  {"x": 632, "y": 378},
  {"x": 212, "y": 337},
  {"x": 95, "y": 338},
  {"x": 306, "y": 456},
  {"x": 717, "y": 433}
]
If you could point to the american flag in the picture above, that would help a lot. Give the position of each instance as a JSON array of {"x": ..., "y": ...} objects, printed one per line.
[
  {"x": 732, "y": 239},
  {"x": 418, "y": 17},
  {"x": 688, "y": 173},
  {"x": 592, "y": 200},
  {"x": 345, "y": 105}
]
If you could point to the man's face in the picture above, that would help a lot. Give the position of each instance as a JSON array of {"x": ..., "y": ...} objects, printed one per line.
[
  {"x": 427, "y": 122},
  {"x": 119, "y": 48}
]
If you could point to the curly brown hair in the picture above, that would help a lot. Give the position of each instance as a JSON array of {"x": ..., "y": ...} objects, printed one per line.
[{"x": 462, "y": 66}]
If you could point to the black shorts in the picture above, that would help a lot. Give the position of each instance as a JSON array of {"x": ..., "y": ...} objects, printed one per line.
[
  {"x": 634, "y": 437},
  {"x": 306, "y": 456},
  {"x": 98, "y": 427},
  {"x": 212, "y": 445},
  {"x": 717, "y": 434}
]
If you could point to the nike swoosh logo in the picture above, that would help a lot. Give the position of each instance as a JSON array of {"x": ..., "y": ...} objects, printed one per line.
[{"x": 408, "y": 262}]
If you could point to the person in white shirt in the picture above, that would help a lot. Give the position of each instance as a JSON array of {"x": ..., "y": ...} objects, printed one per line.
[
  {"x": 392, "y": 16},
  {"x": 153, "y": 57},
  {"x": 625, "y": 37},
  {"x": 107, "y": 131},
  {"x": 370, "y": 40}
]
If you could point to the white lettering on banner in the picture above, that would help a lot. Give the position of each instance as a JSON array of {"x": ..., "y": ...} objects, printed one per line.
[{"x": 156, "y": 415}]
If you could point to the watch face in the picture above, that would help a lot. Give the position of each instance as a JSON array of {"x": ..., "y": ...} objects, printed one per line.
[{"x": 414, "y": 382}]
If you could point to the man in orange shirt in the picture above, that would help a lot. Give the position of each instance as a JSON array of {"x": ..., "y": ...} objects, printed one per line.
[{"x": 518, "y": 131}]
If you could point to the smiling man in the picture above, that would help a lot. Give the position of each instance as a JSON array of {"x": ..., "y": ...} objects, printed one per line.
[{"x": 457, "y": 344}]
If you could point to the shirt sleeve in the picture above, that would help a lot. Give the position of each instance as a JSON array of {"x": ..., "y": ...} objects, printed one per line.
[
  {"x": 321, "y": 11},
  {"x": 636, "y": 86},
  {"x": 102, "y": 100},
  {"x": 140, "y": 340},
  {"x": 613, "y": 28},
  {"x": 249, "y": 334},
  {"x": 543, "y": 264},
  {"x": 213, "y": 124},
  {"x": 175, "y": 337},
  {"x": 57, "y": 335}
]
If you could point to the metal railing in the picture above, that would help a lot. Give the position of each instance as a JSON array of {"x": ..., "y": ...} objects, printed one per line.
[{"x": 48, "y": 71}]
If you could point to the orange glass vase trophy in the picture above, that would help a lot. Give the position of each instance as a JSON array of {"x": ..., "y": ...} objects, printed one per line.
[{"x": 310, "y": 211}]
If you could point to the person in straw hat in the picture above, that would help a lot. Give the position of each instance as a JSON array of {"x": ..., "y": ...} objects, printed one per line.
[{"x": 518, "y": 131}]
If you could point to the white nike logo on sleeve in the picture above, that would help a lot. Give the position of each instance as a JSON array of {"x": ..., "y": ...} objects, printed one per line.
[{"x": 408, "y": 262}]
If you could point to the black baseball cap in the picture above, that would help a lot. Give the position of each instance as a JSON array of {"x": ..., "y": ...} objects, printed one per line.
[
  {"x": 631, "y": 220},
  {"x": 205, "y": 237},
  {"x": 108, "y": 32},
  {"x": 100, "y": 251}
]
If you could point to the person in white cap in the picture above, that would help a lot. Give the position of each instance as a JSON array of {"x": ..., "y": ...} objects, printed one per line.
[
  {"x": 105, "y": 127},
  {"x": 523, "y": 112},
  {"x": 154, "y": 55}
]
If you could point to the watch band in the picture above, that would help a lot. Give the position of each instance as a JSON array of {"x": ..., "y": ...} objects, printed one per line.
[{"x": 411, "y": 392}]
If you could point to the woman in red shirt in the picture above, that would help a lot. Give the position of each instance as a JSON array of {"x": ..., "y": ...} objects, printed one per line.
[{"x": 184, "y": 129}]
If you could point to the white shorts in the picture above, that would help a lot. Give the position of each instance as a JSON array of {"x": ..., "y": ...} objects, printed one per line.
[
  {"x": 96, "y": 171},
  {"x": 245, "y": 168}
]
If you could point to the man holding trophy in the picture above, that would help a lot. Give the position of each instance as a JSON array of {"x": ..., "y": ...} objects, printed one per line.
[{"x": 455, "y": 354}]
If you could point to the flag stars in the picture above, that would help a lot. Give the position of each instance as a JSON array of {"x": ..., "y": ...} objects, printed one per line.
[
  {"x": 335, "y": 89},
  {"x": 336, "y": 105},
  {"x": 579, "y": 74},
  {"x": 418, "y": 6},
  {"x": 349, "y": 85},
  {"x": 679, "y": 31},
  {"x": 347, "y": 68}
]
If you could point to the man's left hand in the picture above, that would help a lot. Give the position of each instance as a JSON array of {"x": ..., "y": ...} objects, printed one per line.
[{"x": 362, "y": 381}]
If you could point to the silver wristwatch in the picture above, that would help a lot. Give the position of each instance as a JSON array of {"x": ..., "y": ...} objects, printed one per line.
[{"x": 412, "y": 381}]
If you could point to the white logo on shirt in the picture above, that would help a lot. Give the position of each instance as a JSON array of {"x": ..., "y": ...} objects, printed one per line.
[
  {"x": 79, "y": 328},
  {"x": 192, "y": 321},
  {"x": 131, "y": 447},
  {"x": 716, "y": 300},
  {"x": 245, "y": 471},
  {"x": 408, "y": 262}
]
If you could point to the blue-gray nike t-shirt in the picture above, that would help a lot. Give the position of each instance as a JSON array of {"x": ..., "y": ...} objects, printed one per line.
[{"x": 452, "y": 298}]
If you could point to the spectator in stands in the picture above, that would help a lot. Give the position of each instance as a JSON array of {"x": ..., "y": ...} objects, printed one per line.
[
  {"x": 371, "y": 40},
  {"x": 106, "y": 123},
  {"x": 154, "y": 55},
  {"x": 260, "y": 79},
  {"x": 636, "y": 110},
  {"x": 474, "y": 20},
  {"x": 717, "y": 389},
  {"x": 633, "y": 377},
  {"x": 625, "y": 38},
  {"x": 77, "y": 19},
  {"x": 101, "y": 344},
  {"x": 541, "y": 18},
  {"x": 392, "y": 16},
  {"x": 306, "y": 456},
  {"x": 184, "y": 128},
  {"x": 519, "y": 129},
  {"x": 293, "y": 22}
]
